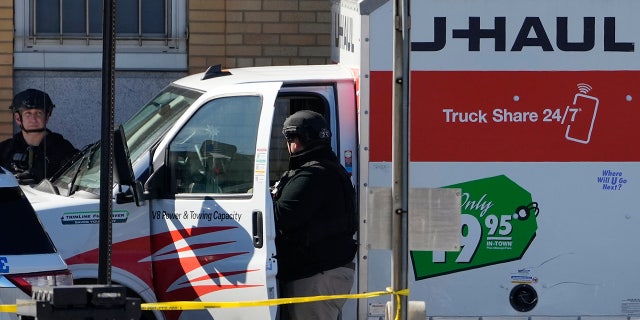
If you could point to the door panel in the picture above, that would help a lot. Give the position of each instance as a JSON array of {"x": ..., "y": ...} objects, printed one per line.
[{"x": 213, "y": 241}]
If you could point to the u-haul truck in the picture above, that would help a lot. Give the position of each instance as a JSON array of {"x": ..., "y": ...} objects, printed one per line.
[{"x": 529, "y": 108}]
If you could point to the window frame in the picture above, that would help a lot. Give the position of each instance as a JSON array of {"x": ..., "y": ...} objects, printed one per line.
[{"x": 79, "y": 53}]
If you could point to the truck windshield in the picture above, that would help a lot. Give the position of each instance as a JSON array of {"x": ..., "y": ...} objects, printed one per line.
[{"x": 142, "y": 130}]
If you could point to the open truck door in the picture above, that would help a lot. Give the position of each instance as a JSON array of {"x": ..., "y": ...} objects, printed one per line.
[{"x": 212, "y": 232}]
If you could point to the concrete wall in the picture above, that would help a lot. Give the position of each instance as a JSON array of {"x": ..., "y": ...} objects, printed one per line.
[{"x": 78, "y": 98}]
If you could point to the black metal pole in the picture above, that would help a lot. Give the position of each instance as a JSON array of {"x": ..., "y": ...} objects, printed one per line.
[
  {"x": 106, "y": 140},
  {"x": 400, "y": 156}
]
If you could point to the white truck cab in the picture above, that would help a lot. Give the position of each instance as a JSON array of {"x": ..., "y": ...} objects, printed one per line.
[{"x": 207, "y": 149}]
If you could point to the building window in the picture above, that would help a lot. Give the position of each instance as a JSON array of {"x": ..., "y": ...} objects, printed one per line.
[
  {"x": 82, "y": 19},
  {"x": 143, "y": 27}
]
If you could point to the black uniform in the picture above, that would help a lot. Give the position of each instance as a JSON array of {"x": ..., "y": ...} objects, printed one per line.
[
  {"x": 30, "y": 163},
  {"x": 315, "y": 215}
]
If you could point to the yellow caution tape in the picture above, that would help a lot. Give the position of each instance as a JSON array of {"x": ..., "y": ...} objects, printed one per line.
[
  {"x": 12, "y": 308},
  {"x": 197, "y": 305},
  {"x": 398, "y": 307}
]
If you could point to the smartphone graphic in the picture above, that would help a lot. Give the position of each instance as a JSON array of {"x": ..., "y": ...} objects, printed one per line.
[{"x": 581, "y": 123}]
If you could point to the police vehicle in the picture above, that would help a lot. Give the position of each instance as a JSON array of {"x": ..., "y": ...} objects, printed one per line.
[{"x": 28, "y": 257}]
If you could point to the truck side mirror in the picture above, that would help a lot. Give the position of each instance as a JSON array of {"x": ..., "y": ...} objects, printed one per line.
[
  {"x": 122, "y": 170},
  {"x": 155, "y": 186}
]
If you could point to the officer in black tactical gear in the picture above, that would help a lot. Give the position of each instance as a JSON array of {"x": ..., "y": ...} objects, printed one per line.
[
  {"x": 314, "y": 204},
  {"x": 35, "y": 152}
]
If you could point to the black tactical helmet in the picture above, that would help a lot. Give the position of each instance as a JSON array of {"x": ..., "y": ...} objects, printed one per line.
[
  {"x": 32, "y": 99},
  {"x": 308, "y": 126}
]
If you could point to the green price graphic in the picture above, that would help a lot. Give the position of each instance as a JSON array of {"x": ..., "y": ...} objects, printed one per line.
[{"x": 498, "y": 224}]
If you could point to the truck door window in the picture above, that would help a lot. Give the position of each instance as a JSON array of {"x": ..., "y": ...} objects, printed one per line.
[{"x": 215, "y": 151}]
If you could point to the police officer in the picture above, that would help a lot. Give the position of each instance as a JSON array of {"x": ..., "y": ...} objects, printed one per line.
[
  {"x": 35, "y": 152},
  {"x": 314, "y": 204}
]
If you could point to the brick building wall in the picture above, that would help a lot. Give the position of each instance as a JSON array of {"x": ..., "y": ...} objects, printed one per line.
[
  {"x": 6, "y": 68},
  {"x": 241, "y": 33}
]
